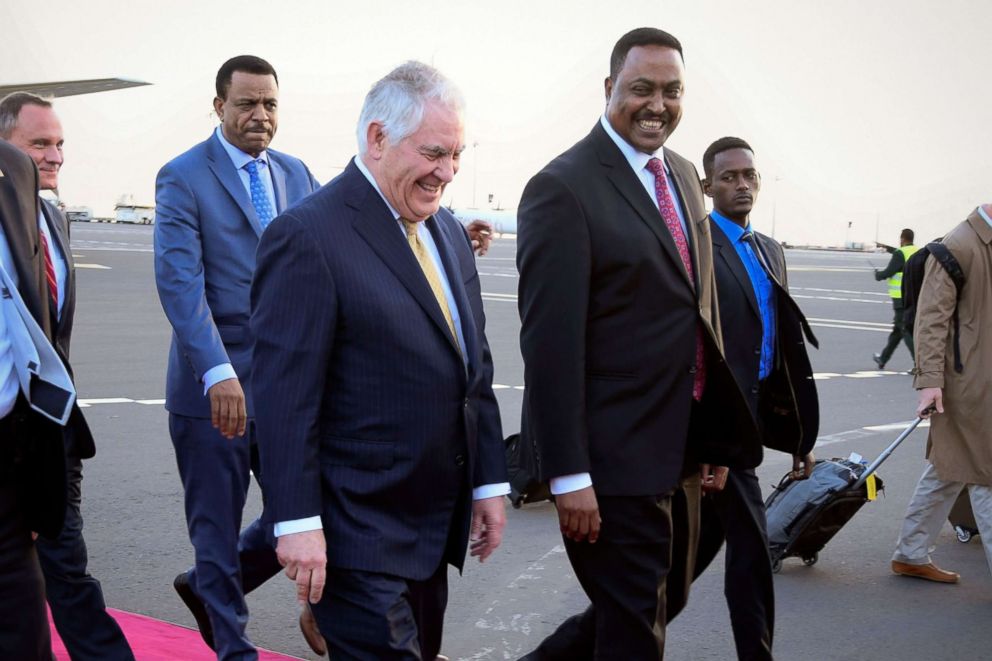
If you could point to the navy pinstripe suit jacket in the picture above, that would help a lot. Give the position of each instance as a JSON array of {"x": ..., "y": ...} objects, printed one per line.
[{"x": 365, "y": 411}]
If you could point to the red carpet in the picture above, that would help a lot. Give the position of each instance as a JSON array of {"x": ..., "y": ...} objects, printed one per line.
[{"x": 155, "y": 640}]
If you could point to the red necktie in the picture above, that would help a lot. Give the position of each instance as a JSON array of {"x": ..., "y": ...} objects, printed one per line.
[
  {"x": 666, "y": 205},
  {"x": 53, "y": 285}
]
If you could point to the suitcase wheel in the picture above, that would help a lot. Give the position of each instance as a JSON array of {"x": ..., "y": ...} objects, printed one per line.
[
  {"x": 776, "y": 565},
  {"x": 964, "y": 536},
  {"x": 811, "y": 560}
]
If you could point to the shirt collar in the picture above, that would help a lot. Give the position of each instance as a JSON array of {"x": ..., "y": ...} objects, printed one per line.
[
  {"x": 733, "y": 231},
  {"x": 368, "y": 175},
  {"x": 238, "y": 157},
  {"x": 638, "y": 160},
  {"x": 984, "y": 215}
]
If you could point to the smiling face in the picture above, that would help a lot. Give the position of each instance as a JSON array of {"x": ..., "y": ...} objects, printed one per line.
[
  {"x": 644, "y": 103},
  {"x": 412, "y": 173},
  {"x": 734, "y": 184},
  {"x": 249, "y": 113},
  {"x": 38, "y": 133}
]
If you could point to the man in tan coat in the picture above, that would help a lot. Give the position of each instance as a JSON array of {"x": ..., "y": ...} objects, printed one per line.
[{"x": 960, "y": 444}]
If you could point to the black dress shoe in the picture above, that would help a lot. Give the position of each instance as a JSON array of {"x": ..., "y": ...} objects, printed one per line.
[{"x": 196, "y": 607}]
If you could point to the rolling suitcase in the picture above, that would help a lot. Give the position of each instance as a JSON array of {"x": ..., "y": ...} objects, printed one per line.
[{"x": 803, "y": 515}]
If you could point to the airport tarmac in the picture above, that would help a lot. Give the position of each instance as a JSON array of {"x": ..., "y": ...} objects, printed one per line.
[{"x": 848, "y": 606}]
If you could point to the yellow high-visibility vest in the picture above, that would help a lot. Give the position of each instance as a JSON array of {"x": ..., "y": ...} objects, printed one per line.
[{"x": 895, "y": 282}]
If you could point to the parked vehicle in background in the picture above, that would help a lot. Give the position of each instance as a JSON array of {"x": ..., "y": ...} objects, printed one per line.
[{"x": 79, "y": 214}]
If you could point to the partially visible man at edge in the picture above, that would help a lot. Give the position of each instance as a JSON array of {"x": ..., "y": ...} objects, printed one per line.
[
  {"x": 212, "y": 204},
  {"x": 628, "y": 399},
  {"x": 78, "y": 608}
]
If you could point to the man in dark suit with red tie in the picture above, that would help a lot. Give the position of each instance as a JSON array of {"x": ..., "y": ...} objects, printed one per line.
[
  {"x": 75, "y": 597},
  {"x": 622, "y": 349},
  {"x": 378, "y": 428}
]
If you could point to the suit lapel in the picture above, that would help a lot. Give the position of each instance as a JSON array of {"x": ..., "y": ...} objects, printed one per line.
[
  {"x": 627, "y": 184},
  {"x": 278, "y": 182},
  {"x": 375, "y": 224},
  {"x": 220, "y": 164},
  {"x": 445, "y": 249},
  {"x": 733, "y": 260}
]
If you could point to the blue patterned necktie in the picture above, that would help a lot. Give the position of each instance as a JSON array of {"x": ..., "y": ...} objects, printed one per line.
[{"x": 259, "y": 199}]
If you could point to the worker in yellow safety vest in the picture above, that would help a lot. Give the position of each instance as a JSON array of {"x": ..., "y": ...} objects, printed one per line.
[{"x": 893, "y": 272}]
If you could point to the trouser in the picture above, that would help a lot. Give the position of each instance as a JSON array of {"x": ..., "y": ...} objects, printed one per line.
[
  {"x": 24, "y": 633},
  {"x": 75, "y": 597},
  {"x": 636, "y": 574},
  {"x": 365, "y": 616},
  {"x": 899, "y": 332},
  {"x": 928, "y": 510},
  {"x": 215, "y": 472}
]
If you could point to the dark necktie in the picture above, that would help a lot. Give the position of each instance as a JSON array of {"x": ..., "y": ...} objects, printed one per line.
[{"x": 666, "y": 205}]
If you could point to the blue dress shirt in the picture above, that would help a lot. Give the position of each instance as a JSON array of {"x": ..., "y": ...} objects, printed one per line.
[{"x": 761, "y": 284}]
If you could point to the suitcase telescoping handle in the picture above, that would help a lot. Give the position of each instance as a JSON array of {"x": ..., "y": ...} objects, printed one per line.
[{"x": 873, "y": 466}]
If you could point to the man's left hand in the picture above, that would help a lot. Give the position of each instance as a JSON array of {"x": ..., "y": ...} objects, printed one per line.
[
  {"x": 714, "y": 478},
  {"x": 481, "y": 234},
  {"x": 488, "y": 521}
]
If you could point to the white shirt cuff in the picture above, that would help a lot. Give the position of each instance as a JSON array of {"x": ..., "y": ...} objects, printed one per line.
[
  {"x": 216, "y": 374},
  {"x": 490, "y": 491},
  {"x": 568, "y": 483},
  {"x": 298, "y": 525}
]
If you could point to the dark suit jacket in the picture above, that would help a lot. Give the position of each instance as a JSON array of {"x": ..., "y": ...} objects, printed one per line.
[
  {"x": 78, "y": 438},
  {"x": 609, "y": 322},
  {"x": 365, "y": 411},
  {"x": 788, "y": 411},
  {"x": 206, "y": 234},
  {"x": 42, "y": 471}
]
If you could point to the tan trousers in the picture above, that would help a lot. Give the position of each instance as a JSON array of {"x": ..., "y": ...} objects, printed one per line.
[{"x": 928, "y": 510}]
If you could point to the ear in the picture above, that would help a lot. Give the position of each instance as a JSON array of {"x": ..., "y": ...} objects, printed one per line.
[
  {"x": 706, "y": 187},
  {"x": 608, "y": 88},
  {"x": 219, "y": 107},
  {"x": 375, "y": 138}
]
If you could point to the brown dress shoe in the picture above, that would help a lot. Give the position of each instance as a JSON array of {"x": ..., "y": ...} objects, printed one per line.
[
  {"x": 929, "y": 572},
  {"x": 308, "y": 625}
]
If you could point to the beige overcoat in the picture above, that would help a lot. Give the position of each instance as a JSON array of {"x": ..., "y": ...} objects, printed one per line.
[{"x": 960, "y": 438}]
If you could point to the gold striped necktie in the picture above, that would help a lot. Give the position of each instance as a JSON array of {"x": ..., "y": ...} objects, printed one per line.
[{"x": 433, "y": 279}]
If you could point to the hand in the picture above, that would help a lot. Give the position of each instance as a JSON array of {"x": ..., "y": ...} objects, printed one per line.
[
  {"x": 931, "y": 400},
  {"x": 481, "y": 234},
  {"x": 488, "y": 521},
  {"x": 578, "y": 515},
  {"x": 802, "y": 467},
  {"x": 227, "y": 408},
  {"x": 714, "y": 478},
  {"x": 304, "y": 555}
]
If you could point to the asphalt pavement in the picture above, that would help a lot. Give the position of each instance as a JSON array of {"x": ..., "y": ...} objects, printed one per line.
[{"x": 847, "y": 606}]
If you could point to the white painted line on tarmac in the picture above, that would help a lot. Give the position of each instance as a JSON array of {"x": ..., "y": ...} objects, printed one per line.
[
  {"x": 101, "y": 267},
  {"x": 150, "y": 402},
  {"x": 104, "y": 400}
]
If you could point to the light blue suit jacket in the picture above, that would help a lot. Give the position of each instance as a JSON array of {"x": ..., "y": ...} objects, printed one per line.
[{"x": 206, "y": 233}]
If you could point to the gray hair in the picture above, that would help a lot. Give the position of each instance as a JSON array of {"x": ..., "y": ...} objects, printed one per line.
[
  {"x": 398, "y": 100},
  {"x": 10, "y": 108}
]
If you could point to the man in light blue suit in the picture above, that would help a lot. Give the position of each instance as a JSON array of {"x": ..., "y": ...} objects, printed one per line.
[{"x": 212, "y": 205}]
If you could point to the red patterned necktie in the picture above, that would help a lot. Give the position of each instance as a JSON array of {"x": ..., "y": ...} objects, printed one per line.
[
  {"x": 53, "y": 285},
  {"x": 666, "y": 205}
]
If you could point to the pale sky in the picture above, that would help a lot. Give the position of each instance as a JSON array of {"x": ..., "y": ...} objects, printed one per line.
[{"x": 856, "y": 110}]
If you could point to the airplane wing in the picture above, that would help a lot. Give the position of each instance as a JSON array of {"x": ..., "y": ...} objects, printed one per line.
[{"x": 72, "y": 87}]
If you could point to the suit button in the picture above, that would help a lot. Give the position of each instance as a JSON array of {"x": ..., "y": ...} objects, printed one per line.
[
  {"x": 757, "y": 351},
  {"x": 754, "y": 390},
  {"x": 465, "y": 403},
  {"x": 459, "y": 460},
  {"x": 692, "y": 370}
]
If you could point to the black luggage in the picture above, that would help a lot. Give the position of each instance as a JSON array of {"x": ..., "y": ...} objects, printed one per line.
[
  {"x": 524, "y": 487},
  {"x": 963, "y": 518},
  {"x": 803, "y": 515}
]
